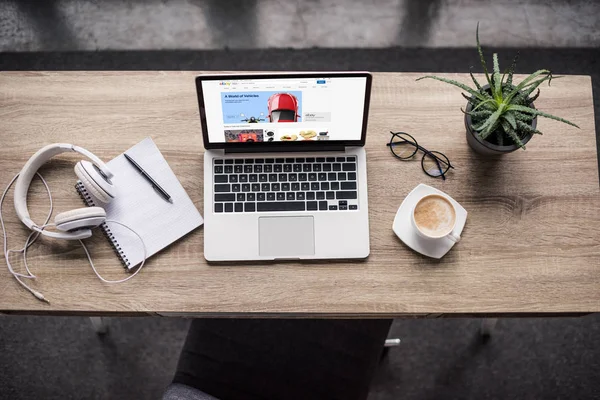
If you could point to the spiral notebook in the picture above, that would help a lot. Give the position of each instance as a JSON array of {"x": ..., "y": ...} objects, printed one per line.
[{"x": 140, "y": 207}]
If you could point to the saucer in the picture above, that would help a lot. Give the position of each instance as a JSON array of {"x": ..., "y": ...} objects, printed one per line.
[{"x": 404, "y": 229}]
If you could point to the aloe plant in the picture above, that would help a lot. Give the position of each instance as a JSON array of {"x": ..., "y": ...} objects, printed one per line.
[{"x": 503, "y": 110}]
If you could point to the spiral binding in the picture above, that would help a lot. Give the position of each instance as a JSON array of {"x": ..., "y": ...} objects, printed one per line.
[{"x": 89, "y": 201}]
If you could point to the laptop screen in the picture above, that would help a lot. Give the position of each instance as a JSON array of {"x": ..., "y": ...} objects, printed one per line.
[{"x": 283, "y": 109}]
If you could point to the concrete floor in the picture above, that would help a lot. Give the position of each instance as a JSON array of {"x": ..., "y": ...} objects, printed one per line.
[{"x": 63, "y": 25}]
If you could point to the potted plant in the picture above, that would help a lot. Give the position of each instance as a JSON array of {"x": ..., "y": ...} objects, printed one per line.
[{"x": 500, "y": 116}]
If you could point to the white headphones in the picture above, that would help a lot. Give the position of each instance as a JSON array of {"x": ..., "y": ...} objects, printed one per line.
[{"x": 74, "y": 224}]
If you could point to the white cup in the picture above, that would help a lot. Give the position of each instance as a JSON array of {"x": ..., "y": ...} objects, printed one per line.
[{"x": 448, "y": 232}]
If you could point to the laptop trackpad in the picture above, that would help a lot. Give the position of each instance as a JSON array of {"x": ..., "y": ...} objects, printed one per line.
[{"x": 286, "y": 236}]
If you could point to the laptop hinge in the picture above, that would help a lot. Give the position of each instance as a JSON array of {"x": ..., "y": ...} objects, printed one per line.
[{"x": 284, "y": 149}]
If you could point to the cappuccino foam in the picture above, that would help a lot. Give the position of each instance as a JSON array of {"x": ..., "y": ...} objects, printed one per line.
[{"x": 435, "y": 216}]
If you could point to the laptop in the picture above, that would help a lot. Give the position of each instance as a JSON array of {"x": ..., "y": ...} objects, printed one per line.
[{"x": 285, "y": 173}]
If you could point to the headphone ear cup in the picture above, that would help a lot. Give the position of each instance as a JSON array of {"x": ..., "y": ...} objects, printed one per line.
[
  {"x": 80, "y": 218},
  {"x": 94, "y": 182}
]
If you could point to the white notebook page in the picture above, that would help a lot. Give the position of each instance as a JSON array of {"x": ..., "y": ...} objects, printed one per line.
[{"x": 138, "y": 205}]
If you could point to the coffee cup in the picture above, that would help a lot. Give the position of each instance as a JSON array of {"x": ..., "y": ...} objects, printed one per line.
[{"x": 434, "y": 217}]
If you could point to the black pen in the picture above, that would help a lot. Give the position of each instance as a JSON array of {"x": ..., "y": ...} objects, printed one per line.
[{"x": 155, "y": 185}]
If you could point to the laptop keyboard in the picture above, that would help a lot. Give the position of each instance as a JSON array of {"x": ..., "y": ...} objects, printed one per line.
[{"x": 285, "y": 184}]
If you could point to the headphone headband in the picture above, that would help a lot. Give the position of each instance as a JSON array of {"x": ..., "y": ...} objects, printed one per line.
[{"x": 29, "y": 170}]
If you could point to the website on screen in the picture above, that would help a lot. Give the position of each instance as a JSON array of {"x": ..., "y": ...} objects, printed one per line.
[{"x": 284, "y": 109}]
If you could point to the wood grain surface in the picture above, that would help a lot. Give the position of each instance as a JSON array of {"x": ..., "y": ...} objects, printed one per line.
[{"x": 531, "y": 243}]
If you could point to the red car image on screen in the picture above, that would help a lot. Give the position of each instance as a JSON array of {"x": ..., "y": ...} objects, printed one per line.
[{"x": 283, "y": 107}]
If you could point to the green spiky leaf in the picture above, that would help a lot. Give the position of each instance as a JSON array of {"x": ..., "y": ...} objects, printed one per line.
[
  {"x": 527, "y": 128},
  {"x": 455, "y": 83},
  {"x": 513, "y": 135},
  {"x": 540, "y": 113},
  {"x": 481, "y": 57}
]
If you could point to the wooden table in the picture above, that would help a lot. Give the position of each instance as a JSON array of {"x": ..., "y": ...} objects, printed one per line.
[{"x": 531, "y": 243}]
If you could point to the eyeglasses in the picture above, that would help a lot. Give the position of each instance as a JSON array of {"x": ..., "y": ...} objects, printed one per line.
[{"x": 404, "y": 147}]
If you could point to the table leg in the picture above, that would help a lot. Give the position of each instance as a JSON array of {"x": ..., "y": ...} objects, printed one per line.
[{"x": 100, "y": 325}]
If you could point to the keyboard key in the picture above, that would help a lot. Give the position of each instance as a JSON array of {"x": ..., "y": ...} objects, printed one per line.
[
  {"x": 276, "y": 187},
  {"x": 300, "y": 196},
  {"x": 248, "y": 169},
  {"x": 240, "y": 197},
  {"x": 235, "y": 187},
  {"x": 251, "y": 196},
  {"x": 333, "y": 207},
  {"x": 279, "y": 160},
  {"x": 269, "y": 161},
  {"x": 228, "y": 169},
  {"x": 317, "y": 167},
  {"x": 351, "y": 159},
  {"x": 312, "y": 177},
  {"x": 312, "y": 206},
  {"x": 222, "y": 188},
  {"x": 262, "y": 178},
  {"x": 345, "y": 195},
  {"x": 343, "y": 207},
  {"x": 343, "y": 203},
  {"x": 289, "y": 160},
  {"x": 351, "y": 176},
  {"x": 261, "y": 196},
  {"x": 330, "y": 195},
  {"x": 310, "y": 196},
  {"x": 238, "y": 169},
  {"x": 305, "y": 186},
  {"x": 335, "y": 186},
  {"x": 299, "y": 160},
  {"x": 349, "y": 167},
  {"x": 285, "y": 187},
  {"x": 341, "y": 176},
  {"x": 307, "y": 168},
  {"x": 233, "y": 178},
  {"x": 249, "y": 161},
  {"x": 340, "y": 159},
  {"x": 292, "y": 177},
  {"x": 221, "y": 178},
  {"x": 253, "y": 178},
  {"x": 295, "y": 187},
  {"x": 324, "y": 185},
  {"x": 218, "y": 161},
  {"x": 320, "y": 195},
  {"x": 258, "y": 169},
  {"x": 310, "y": 159},
  {"x": 332, "y": 176},
  {"x": 314, "y": 186},
  {"x": 265, "y": 187},
  {"x": 245, "y": 187},
  {"x": 321, "y": 159},
  {"x": 218, "y": 207},
  {"x": 259, "y": 160},
  {"x": 238, "y": 161},
  {"x": 302, "y": 177},
  {"x": 322, "y": 205},
  {"x": 272, "y": 177},
  {"x": 348, "y": 185},
  {"x": 326, "y": 167},
  {"x": 229, "y": 161},
  {"x": 290, "y": 196},
  {"x": 297, "y": 168},
  {"x": 249, "y": 207},
  {"x": 256, "y": 187},
  {"x": 218, "y": 169},
  {"x": 287, "y": 167},
  {"x": 281, "y": 206},
  {"x": 268, "y": 168},
  {"x": 282, "y": 177},
  {"x": 228, "y": 206},
  {"x": 239, "y": 207},
  {"x": 322, "y": 176},
  {"x": 243, "y": 178},
  {"x": 330, "y": 159},
  {"x": 280, "y": 196},
  {"x": 277, "y": 168},
  {"x": 271, "y": 196},
  {"x": 337, "y": 167},
  {"x": 353, "y": 207}
]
